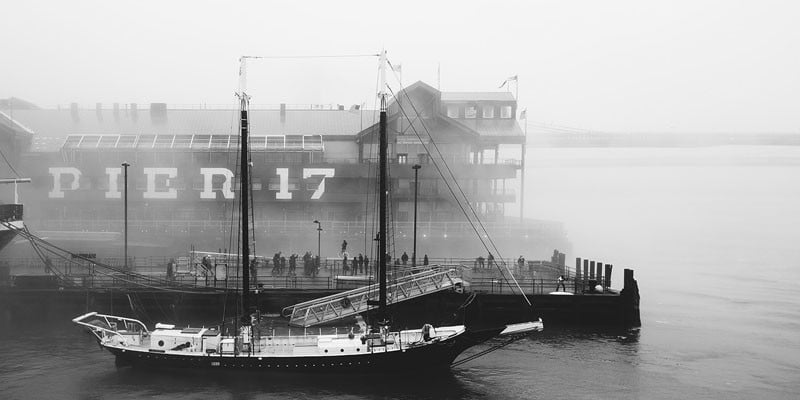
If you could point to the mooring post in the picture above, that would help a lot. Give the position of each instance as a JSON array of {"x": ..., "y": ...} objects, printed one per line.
[
  {"x": 599, "y": 273},
  {"x": 577, "y": 273},
  {"x": 585, "y": 274}
]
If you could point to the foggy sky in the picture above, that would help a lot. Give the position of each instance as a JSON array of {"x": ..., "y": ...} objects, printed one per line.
[{"x": 616, "y": 65}]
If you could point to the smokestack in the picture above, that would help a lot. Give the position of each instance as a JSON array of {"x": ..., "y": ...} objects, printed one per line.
[
  {"x": 283, "y": 112},
  {"x": 134, "y": 112},
  {"x": 158, "y": 113},
  {"x": 73, "y": 110},
  {"x": 98, "y": 110},
  {"x": 116, "y": 112}
]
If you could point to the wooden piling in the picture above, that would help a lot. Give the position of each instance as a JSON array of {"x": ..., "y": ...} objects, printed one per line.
[
  {"x": 591, "y": 270},
  {"x": 607, "y": 275},
  {"x": 585, "y": 271},
  {"x": 599, "y": 273}
]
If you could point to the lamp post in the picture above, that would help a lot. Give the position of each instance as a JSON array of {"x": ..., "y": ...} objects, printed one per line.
[
  {"x": 125, "y": 166},
  {"x": 319, "y": 239},
  {"x": 416, "y": 168}
]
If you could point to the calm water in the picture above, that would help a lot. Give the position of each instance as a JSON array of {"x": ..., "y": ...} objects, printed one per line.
[{"x": 714, "y": 236}]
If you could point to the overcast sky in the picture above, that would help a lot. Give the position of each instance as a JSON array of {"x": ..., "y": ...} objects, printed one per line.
[{"x": 612, "y": 65}]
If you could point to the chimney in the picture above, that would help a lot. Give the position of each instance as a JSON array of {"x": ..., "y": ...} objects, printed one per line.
[
  {"x": 98, "y": 110},
  {"x": 134, "y": 112},
  {"x": 116, "y": 112},
  {"x": 158, "y": 113},
  {"x": 73, "y": 110},
  {"x": 341, "y": 107},
  {"x": 283, "y": 112}
]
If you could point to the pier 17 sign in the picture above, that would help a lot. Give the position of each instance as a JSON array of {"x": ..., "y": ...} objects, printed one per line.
[{"x": 160, "y": 182}]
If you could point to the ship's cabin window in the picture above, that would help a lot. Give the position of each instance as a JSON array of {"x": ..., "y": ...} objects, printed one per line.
[
  {"x": 402, "y": 158},
  {"x": 452, "y": 111},
  {"x": 488, "y": 112},
  {"x": 470, "y": 112},
  {"x": 505, "y": 112}
]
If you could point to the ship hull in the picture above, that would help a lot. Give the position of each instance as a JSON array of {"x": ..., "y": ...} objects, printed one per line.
[{"x": 428, "y": 357}]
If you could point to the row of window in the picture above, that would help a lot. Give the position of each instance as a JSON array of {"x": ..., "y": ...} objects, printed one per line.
[{"x": 471, "y": 112}]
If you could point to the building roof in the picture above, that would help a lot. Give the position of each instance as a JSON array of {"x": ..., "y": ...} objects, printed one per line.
[
  {"x": 477, "y": 96},
  {"x": 60, "y": 123}
]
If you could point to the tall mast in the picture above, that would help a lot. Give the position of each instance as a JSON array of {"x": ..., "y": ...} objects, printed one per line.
[
  {"x": 383, "y": 199},
  {"x": 244, "y": 102}
]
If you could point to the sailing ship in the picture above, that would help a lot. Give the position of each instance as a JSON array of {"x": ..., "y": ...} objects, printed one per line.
[{"x": 376, "y": 348}]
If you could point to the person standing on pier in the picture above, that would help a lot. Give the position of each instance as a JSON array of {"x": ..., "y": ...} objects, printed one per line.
[
  {"x": 490, "y": 260},
  {"x": 361, "y": 263},
  {"x": 292, "y": 264},
  {"x": 344, "y": 260},
  {"x": 425, "y": 260},
  {"x": 344, "y": 246},
  {"x": 366, "y": 265},
  {"x": 561, "y": 284},
  {"x": 404, "y": 258}
]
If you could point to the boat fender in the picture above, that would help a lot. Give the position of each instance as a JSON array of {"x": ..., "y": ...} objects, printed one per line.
[{"x": 345, "y": 303}]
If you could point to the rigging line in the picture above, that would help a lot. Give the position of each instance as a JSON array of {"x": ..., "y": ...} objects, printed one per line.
[
  {"x": 487, "y": 351},
  {"x": 458, "y": 201},
  {"x": 477, "y": 218},
  {"x": 9, "y": 163},
  {"x": 54, "y": 250}
]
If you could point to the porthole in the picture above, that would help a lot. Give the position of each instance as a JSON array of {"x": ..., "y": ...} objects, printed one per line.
[
  {"x": 342, "y": 350},
  {"x": 326, "y": 350},
  {"x": 358, "y": 348},
  {"x": 160, "y": 343}
]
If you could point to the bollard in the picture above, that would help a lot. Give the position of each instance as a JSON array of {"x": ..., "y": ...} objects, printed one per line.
[{"x": 599, "y": 274}]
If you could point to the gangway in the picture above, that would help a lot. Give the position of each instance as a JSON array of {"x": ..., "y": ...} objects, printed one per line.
[{"x": 353, "y": 302}]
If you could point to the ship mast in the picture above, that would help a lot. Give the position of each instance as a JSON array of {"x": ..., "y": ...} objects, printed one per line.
[
  {"x": 384, "y": 191},
  {"x": 244, "y": 103}
]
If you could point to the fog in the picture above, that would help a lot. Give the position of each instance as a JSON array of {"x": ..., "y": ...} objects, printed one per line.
[{"x": 620, "y": 65}]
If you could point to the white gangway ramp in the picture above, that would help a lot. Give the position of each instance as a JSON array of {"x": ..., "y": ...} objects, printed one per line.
[{"x": 353, "y": 302}]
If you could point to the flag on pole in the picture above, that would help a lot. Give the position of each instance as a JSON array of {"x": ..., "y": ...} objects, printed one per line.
[
  {"x": 509, "y": 79},
  {"x": 398, "y": 68},
  {"x": 524, "y": 114}
]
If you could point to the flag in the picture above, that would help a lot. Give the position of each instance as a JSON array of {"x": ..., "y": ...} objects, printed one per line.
[
  {"x": 509, "y": 79},
  {"x": 398, "y": 68},
  {"x": 524, "y": 114}
]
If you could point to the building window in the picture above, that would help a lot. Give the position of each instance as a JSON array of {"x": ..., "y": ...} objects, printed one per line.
[
  {"x": 452, "y": 111},
  {"x": 505, "y": 112},
  {"x": 488, "y": 112},
  {"x": 470, "y": 112},
  {"x": 402, "y": 158}
]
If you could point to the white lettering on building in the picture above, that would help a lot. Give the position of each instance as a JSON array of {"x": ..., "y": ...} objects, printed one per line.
[
  {"x": 152, "y": 173},
  {"x": 283, "y": 189},
  {"x": 57, "y": 172},
  {"x": 325, "y": 172},
  {"x": 113, "y": 187},
  {"x": 208, "y": 181}
]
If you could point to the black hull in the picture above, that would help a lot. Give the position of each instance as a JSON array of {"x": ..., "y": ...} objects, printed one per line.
[{"x": 436, "y": 356}]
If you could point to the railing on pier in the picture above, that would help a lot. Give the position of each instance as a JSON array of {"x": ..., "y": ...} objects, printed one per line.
[{"x": 534, "y": 277}]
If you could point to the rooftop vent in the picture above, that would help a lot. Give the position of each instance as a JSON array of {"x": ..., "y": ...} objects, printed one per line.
[
  {"x": 158, "y": 113},
  {"x": 73, "y": 110}
]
